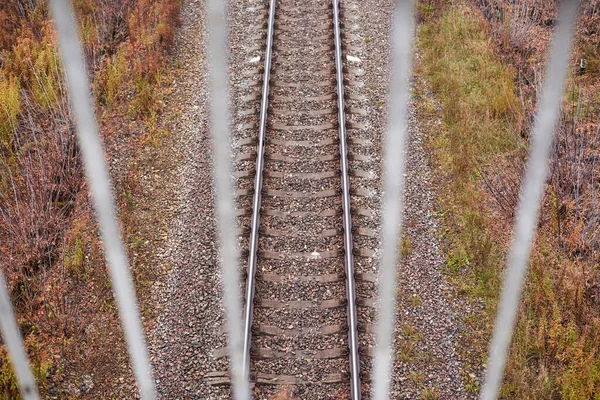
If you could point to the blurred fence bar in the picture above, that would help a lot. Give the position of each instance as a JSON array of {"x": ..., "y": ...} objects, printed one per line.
[
  {"x": 532, "y": 193},
  {"x": 100, "y": 187},
  {"x": 229, "y": 253},
  {"x": 393, "y": 169},
  {"x": 98, "y": 179},
  {"x": 14, "y": 343}
]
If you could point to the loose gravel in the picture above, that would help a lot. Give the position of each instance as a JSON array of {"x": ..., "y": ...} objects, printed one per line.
[
  {"x": 188, "y": 328},
  {"x": 188, "y": 299},
  {"x": 427, "y": 320},
  {"x": 296, "y": 145}
]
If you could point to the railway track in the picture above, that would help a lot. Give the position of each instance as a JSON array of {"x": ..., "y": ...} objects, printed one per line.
[{"x": 294, "y": 169}]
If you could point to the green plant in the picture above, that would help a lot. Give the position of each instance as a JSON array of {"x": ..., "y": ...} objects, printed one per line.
[
  {"x": 415, "y": 300},
  {"x": 8, "y": 380},
  {"x": 405, "y": 246},
  {"x": 554, "y": 353},
  {"x": 479, "y": 110},
  {"x": 41, "y": 361},
  {"x": 429, "y": 394},
  {"x": 424, "y": 10},
  {"x": 144, "y": 98},
  {"x": 115, "y": 75},
  {"x": 46, "y": 78},
  {"x": 407, "y": 344},
  {"x": 75, "y": 256},
  {"x": 51, "y": 246},
  {"x": 10, "y": 107},
  {"x": 416, "y": 377}
]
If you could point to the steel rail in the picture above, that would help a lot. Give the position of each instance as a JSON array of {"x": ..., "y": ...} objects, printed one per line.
[
  {"x": 355, "y": 391},
  {"x": 256, "y": 202},
  {"x": 217, "y": 28}
]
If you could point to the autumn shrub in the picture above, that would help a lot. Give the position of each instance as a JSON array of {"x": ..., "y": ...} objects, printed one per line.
[
  {"x": 43, "y": 257},
  {"x": 517, "y": 25},
  {"x": 41, "y": 176},
  {"x": 10, "y": 107},
  {"x": 575, "y": 151},
  {"x": 554, "y": 353},
  {"x": 480, "y": 110},
  {"x": 151, "y": 25},
  {"x": 38, "y": 153}
]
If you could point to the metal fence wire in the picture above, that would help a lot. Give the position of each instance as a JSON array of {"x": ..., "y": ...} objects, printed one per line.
[
  {"x": 99, "y": 183},
  {"x": 394, "y": 165}
]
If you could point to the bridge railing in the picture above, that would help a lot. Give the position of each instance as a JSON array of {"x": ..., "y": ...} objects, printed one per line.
[{"x": 394, "y": 165}]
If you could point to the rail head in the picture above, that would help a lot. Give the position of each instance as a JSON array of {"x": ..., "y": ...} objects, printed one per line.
[
  {"x": 256, "y": 200},
  {"x": 345, "y": 183},
  {"x": 355, "y": 388}
]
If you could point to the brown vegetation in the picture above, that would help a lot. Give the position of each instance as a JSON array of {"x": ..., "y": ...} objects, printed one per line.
[
  {"x": 554, "y": 352},
  {"x": 49, "y": 250}
]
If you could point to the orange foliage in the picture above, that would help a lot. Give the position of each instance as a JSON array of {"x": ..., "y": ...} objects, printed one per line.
[
  {"x": 40, "y": 171},
  {"x": 151, "y": 28}
]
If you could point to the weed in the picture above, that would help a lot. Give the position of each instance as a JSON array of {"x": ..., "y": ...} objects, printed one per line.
[
  {"x": 479, "y": 110},
  {"x": 115, "y": 75},
  {"x": 429, "y": 394},
  {"x": 40, "y": 170},
  {"x": 136, "y": 241},
  {"x": 75, "y": 256},
  {"x": 155, "y": 133},
  {"x": 407, "y": 347},
  {"x": 416, "y": 377},
  {"x": 415, "y": 300},
  {"x": 41, "y": 362},
  {"x": 405, "y": 247},
  {"x": 424, "y": 11},
  {"x": 478, "y": 99},
  {"x": 405, "y": 352},
  {"x": 10, "y": 107},
  {"x": 409, "y": 332},
  {"x": 8, "y": 380},
  {"x": 88, "y": 31},
  {"x": 554, "y": 353},
  {"x": 128, "y": 198},
  {"x": 144, "y": 98},
  {"x": 46, "y": 78}
]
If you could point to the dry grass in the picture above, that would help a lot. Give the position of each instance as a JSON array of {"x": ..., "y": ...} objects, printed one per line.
[
  {"x": 48, "y": 246},
  {"x": 429, "y": 394},
  {"x": 479, "y": 110},
  {"x": 554, "y": 352}
]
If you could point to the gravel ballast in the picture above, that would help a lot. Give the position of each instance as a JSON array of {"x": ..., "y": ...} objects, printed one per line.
[
  {"x": 188, "y": 326},
  {"x": 188, "y": 297}
]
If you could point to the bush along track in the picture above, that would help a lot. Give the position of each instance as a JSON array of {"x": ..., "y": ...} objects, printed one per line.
[
  {"x": 49, "y": 248},
  {"x": 479, "y": 80}
]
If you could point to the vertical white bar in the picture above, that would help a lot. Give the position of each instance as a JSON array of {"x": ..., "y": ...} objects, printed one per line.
[
  {"x": 100, "y": 187},
  {"x": 532, "y": 192},
  {"x": 14, "y": 344},
  {"x": 394, "y": 167},
  {"x": 218, "y": 56}
]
